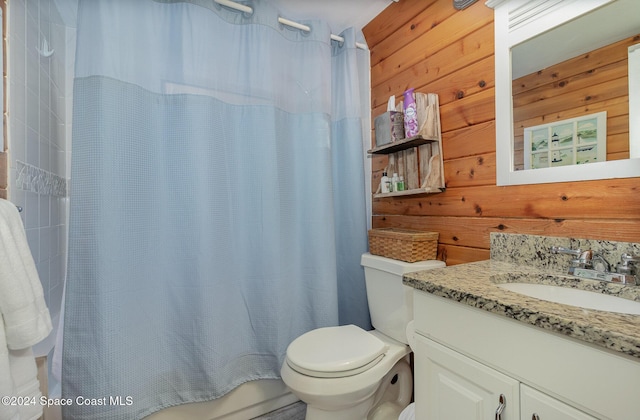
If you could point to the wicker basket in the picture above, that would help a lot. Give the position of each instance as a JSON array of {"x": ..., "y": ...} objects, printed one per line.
[{"x": 403, "y": 244}]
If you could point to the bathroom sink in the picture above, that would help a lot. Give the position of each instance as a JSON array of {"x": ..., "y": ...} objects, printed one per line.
[{"x": 575, "y": 297}]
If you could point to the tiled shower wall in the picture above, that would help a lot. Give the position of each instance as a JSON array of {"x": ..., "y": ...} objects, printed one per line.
[{"x": 39, "y": 127}]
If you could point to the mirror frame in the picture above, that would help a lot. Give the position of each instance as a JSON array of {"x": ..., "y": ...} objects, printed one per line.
[{"x": 530, "y": 19}]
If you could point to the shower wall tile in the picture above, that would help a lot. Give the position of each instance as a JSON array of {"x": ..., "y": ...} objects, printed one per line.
[
  {"x": 39, "y": 103},
  {"x": 18, "y": 148},
  {"x": 33, "y": 107}
]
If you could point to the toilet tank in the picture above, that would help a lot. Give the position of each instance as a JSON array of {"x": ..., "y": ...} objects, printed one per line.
[{"x": 390, "y": 301}]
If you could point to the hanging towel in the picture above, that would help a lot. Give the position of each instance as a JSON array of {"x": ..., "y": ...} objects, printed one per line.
[{"x": 25, "y": 317}]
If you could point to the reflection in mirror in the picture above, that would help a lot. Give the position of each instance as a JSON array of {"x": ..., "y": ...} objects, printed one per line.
[
  {"x": 565, "y": 95},
  {"x": 559, "y": 63},
  {"x": 634, "y": 100}
]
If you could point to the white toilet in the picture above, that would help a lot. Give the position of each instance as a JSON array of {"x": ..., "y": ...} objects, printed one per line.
[{"x": 347, "y": 373}]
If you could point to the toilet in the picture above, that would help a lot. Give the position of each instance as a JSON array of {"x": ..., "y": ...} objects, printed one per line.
[{"x": 347, "y": 373}]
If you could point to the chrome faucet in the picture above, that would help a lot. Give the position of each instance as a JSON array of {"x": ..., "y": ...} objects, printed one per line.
[
  {"x": 590, "y": 265},
  {"x": 582, "y": 259}
]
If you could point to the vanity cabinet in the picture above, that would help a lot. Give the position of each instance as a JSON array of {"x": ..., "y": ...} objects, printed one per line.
[
  {"x": 466, "y": 358},
  {"x": 458, "y": 387}
]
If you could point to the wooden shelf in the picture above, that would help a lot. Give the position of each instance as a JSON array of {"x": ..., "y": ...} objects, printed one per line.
[
  {"x": 409, "y": 192},
  {"x": 418, "y": 158},
  {"x": 400, "y": 145}
]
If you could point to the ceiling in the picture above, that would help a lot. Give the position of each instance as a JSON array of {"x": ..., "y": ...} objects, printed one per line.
[{"x": 339, "y": 14}]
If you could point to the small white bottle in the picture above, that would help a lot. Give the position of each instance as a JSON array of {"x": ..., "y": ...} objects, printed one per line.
[
  {"x": 394, "y": 182},
  {"x": 385, "y": 184}
]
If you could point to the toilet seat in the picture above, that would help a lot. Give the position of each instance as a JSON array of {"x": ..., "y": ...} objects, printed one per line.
[{"x": 335, "y": 352}]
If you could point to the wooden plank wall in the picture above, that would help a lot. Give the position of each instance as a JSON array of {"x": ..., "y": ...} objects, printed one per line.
[{"x": 429, "y": 45}]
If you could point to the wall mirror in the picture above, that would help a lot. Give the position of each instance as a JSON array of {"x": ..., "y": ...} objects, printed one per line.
[{"x": 534, "y": 36}]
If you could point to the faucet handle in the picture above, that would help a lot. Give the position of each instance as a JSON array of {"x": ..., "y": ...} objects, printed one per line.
[
  {"x": 582, "y": 258},
  {"x": 586, "y": 257},
  {"x": 627, "y": 264}
]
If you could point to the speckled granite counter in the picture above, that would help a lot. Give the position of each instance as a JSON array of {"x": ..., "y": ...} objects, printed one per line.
[{"x": 525, "y": 258}]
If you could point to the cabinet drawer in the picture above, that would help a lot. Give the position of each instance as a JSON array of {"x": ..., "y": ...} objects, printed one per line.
[{"x": 545, "y": 407}]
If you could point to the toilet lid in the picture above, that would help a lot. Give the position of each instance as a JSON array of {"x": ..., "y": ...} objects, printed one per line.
[{"x": 335, "y": 351}]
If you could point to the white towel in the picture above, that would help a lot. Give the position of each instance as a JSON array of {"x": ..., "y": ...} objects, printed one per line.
[
  {"x": 6, "y": 379},
  {"x": 25, "y": 317}
]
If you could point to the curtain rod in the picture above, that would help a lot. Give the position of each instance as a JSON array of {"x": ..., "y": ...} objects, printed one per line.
[{"x": 247, "y": 9}]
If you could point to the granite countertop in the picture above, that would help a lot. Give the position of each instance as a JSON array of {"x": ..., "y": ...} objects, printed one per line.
[{"x": 475, "y": 284}]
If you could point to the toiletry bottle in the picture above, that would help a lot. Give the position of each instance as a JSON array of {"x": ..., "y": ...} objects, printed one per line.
[
  {"x": 394, "y": 182},
  {"x": 385, "y": 183},
  {"x": 400, "y": 186},
  {"x": 410, "y": 114}
]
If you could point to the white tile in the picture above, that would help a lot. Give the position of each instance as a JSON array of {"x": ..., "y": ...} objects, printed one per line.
[
  {"x": 45, "y": 155},
  {"x": 32, "y": 73},
  {"x": 53, "y": 158},
  {"x": 51, "y": 238},
  {"x": 18, "y": 198},
  {"x": 63, "y": 241},
  {"x": 45, "y": 241},
  {"x": 68, "y": 160},
  {"x": 57, "y": 271},
  {"x": 17, "y": 141},
  {"x": 37, "y": 117},
  {"x": 18, "y": 20},
  {"x": 33, "y": 111},
  {"x": 33, "y": 238},
  {"x": 33, "y": 7},
  {"x": 32, "y": 215},
  {"x": 45, "y": 17},
  {"x": 45, "y": 85},
  {"x": 44, "y": 210},
  {"x": 54, "y": 14},
  {"x": 43, "y": 272},
  {"x": 17, "y": 101},
  {"x": 55, "y": 296},
  {"x": 32, "y": 42},
  {"x": 60, "y": 157},
  {"x": 55, "y": 217},
  {"x": 60, "y": 136},
  {"x": 17, "y": 62},
  {"x": 33, "y": 148},
  {"x": 44, "y": 124},
  {"x": 53, "y": 242},
  {"x": 57, "y": 103}
]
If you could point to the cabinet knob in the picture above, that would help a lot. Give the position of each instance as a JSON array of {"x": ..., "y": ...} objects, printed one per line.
[
  {"x": 502, "y": 403},
  {"x": 535, "y": 417}
]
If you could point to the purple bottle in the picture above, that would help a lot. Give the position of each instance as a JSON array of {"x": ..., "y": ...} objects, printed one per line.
[{"x": 410, "y": 114}]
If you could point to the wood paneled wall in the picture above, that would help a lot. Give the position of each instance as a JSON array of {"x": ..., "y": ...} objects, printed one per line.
[{"x": 429, "y": 45}]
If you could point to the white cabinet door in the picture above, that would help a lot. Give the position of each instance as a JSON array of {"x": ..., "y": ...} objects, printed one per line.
[
  {"x": 538, "y": 406},
  {"x": 450, "y": 386}
]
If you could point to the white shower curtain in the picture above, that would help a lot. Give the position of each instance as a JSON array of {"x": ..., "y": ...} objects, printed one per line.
[{"x": 217, "y": 201}]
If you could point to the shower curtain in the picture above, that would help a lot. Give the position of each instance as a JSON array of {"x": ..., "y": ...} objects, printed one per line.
[{"x": 218, "y": 200}]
